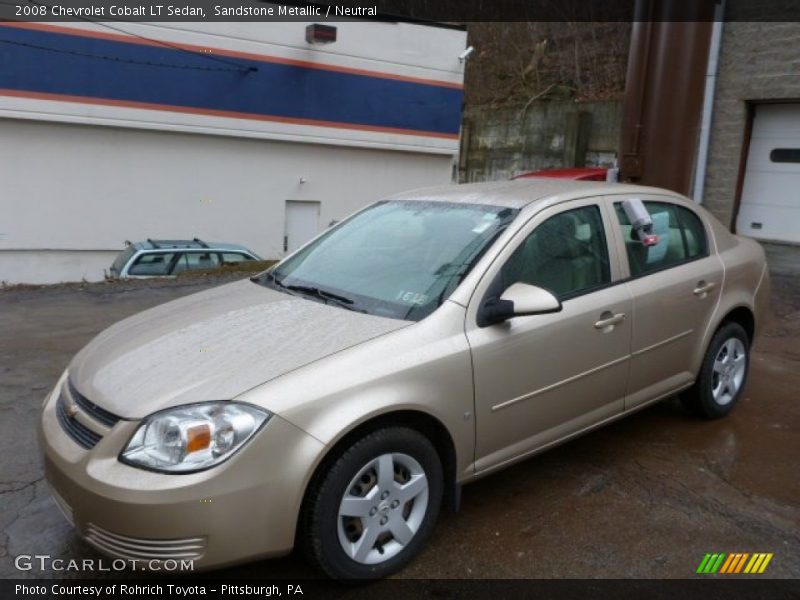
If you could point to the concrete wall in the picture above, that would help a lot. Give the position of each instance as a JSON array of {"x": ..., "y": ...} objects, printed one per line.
[
  {"x": 758, "y": 61},
  {"x": 72, "y": 194},
  {"x": 500, "y": 143}
]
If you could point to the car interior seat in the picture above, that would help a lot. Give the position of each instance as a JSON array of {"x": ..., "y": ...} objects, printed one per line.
[{"x": 562, "y": 263}]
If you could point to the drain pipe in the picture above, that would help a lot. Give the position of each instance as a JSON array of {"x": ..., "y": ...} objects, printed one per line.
[{"x": 708, "y": 102}]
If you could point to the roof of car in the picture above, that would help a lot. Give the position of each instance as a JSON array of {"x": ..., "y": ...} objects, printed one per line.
[
  {"x": 195, "y": 244},
  {"x": 519, "y": 193}
]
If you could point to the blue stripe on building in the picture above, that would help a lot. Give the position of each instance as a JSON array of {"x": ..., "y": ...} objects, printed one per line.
[{"x": 57, "y": 63}]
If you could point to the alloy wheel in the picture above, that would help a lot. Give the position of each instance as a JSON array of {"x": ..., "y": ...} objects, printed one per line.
[
  {"x": 729, "y": 369},
  {"x": 382, "y": 508}
]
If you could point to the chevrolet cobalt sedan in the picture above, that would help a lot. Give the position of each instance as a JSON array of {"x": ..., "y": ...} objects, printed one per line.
[{"x": 341, "y": 399}]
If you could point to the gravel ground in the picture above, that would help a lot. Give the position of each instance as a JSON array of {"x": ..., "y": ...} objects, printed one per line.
[{"x": 645, "y": 497}]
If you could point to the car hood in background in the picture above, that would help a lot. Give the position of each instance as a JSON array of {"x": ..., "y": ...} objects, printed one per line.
[{"x": 213, "y": 345}]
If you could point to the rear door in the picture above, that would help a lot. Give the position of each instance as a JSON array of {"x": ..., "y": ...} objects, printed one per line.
[{"x": 675, "y": 286}]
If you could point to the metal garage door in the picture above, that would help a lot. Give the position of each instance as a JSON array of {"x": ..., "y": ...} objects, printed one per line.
[{"x": 770, "y": 207}]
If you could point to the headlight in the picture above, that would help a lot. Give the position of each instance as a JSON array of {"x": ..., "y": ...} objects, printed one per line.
[{"x": 193, "y": 438}]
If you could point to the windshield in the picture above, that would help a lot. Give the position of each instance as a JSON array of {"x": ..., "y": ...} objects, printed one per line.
[{"x": 397, "y": 259}]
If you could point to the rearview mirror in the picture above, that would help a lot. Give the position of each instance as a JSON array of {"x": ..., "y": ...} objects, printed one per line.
[{"x": 519, "y": 300}]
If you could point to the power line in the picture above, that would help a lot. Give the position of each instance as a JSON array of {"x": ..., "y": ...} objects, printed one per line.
[
  {"x": 119, "y": 59},
  {"x": 238, "y": 66}
]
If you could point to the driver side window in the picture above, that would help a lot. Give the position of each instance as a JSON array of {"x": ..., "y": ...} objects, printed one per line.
[{"x": 566, "y": 254}]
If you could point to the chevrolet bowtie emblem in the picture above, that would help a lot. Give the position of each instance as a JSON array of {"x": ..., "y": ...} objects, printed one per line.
[{"x": 70, "y": 407}]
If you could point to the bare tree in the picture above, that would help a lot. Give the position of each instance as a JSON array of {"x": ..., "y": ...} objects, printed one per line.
[{"x": 516, "y": 64}]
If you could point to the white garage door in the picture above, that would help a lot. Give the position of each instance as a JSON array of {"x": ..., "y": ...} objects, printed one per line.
[{"x": 770, "y": 207}]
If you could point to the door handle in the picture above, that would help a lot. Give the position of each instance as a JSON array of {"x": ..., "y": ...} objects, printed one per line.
[
  {"x": 703, "y": 288},
  {"x": 608, "y": 320}
]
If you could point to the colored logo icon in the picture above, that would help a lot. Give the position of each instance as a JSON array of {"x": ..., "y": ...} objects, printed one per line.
[{"x": 733, "y": 563}]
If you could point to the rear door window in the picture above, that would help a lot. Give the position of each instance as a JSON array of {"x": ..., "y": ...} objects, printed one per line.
[
  {"x": 681, "y": 238},
  {"x": 152, "y": 264},
  {"x": 201, "y": 260}
]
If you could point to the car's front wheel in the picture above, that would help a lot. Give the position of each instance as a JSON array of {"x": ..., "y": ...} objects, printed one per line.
[
  {"x": 374, "y": 506},
  {"x": 723, "y": 374}
]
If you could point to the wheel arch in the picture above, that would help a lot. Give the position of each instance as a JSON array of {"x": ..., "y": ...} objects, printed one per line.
[
  {"x": 420, "y": 421},
  {"x": 744, "y": 316},
  {"x": 740, "y": 313}
]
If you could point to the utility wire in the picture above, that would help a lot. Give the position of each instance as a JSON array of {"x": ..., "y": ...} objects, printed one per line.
[
  {"x": 118, "y": 59},
  {"x": 237, "y": 65}
]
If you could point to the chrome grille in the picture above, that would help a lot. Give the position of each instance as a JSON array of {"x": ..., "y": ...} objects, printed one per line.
[
  {"x": 70, "y": 402},
  {"x": 76, "y": 430},
  {"x": 90, "y": 408},
  {"x": 132, "y": 548}
]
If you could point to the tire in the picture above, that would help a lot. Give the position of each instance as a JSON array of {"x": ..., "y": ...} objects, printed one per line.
[
  {"x": 723, "y": 374},
  {"x": 391, "y": 483}
]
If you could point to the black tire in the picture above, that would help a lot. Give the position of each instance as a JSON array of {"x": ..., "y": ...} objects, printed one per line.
[
  {"x": 699, "y": 399},
  {"x": 320, "y": 520}
]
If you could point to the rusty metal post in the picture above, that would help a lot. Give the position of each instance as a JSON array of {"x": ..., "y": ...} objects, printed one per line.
[{"x": 664, "y": 92}]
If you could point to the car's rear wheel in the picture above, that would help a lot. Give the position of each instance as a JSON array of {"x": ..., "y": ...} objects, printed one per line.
[
  {"x": 723, "y": 374},
  {"x": 374, "y": 506}
]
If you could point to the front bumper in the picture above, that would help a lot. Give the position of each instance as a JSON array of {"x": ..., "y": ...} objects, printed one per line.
[{"x": 243, "y": 509}]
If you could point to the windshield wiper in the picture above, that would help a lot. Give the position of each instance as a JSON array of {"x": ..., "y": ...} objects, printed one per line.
[{"x": 308, "y": 290}]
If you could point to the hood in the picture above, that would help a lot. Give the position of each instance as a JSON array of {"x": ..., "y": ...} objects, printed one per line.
[{"x": 213, "y": 345}]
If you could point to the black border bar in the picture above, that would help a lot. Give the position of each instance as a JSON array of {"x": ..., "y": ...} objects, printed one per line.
[{"x": 436, "y": 13}]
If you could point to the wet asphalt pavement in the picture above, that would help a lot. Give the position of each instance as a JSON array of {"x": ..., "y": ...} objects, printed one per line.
[{"x": 647, "y": 496}]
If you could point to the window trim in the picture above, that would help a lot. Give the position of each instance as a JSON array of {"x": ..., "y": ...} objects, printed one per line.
[
  {"x": 618, "y": 256},
  {"x": 583, "y": 291},
  {"x": 492, "y": 271}
]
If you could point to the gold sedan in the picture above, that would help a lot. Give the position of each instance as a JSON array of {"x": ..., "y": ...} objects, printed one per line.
[{"x": 342, "y": 398}]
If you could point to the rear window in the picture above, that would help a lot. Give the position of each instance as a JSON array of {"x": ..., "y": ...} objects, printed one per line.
[
  {"x": 122, "y": 259},
  {"x": 233, "y": 257}
]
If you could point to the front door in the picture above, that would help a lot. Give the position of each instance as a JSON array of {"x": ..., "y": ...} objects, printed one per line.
[
  {"x": 540, "y": 378},
  {"x": 302, "y": 223}
]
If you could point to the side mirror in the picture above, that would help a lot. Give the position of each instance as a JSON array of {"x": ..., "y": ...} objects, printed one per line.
[{"x": 519, "y": 300}]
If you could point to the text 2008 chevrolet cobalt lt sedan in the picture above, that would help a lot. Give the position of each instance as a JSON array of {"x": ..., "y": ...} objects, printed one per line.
[{"x": 339, "y": 400}]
